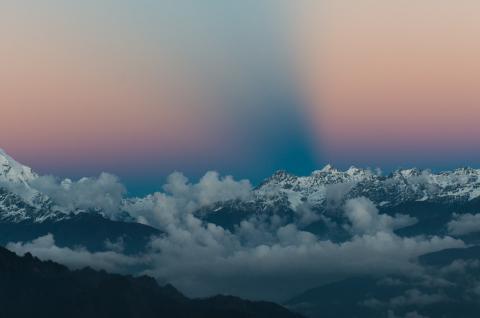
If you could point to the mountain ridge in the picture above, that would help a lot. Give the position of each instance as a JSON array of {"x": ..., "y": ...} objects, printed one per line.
[
  {"x": 282, "y": 190},
  {"x": 33, "y": 288}
]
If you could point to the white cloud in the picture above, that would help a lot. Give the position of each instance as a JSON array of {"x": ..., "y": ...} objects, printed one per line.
[
  {"x": 210, "y": 260},
  {"x": 463, "y": 224},
  {"x": 45, "y": 249},
  {"x": 306, "y": 215},
  {"x": 263, "y": 255},
  {"x": 105, "y": 192},
  {"x": 335, "y": 193},
  {"x": 182, "y": 198},
  {"x": 365, "y": 218}
]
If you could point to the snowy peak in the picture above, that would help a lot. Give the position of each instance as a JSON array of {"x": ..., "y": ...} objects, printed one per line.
[
  {"x": 22, "y": 199},
  {"x": 408, "y": 173},
  {"x": 278, "y": 178},
  {"x": 13, "y": 172},
  {"x": 19, "y": 201},
  {"x": 328, "y": 169},
  {"x": 400, "y": 186}
]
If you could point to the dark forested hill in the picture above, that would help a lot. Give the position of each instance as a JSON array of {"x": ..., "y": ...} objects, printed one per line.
[{"x": 32, "y": 288}]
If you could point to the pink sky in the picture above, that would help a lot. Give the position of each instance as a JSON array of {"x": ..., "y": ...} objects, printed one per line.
[
  {"x": 378, "y": 79},
  {"x": 394, "y": 75}
]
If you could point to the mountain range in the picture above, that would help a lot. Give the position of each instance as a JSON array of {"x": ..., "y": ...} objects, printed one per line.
[
  {"x": 283, "y": 190},
  {"x": 323, "y": 191},
  {"x": 415, "y": 204},
  {"x": 315, "y": 202},
  {"x": 26, "y": 214}
]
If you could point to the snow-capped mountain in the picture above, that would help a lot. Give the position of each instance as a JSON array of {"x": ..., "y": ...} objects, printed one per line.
[
  {"x": 315, "y": 203},
  {"x": 330, "y": 184},
  {"x": 27, "y": 213},
  {"x": 22, "y": 197},
  {"x": 330, "y": 187},
  {"x": 19, "y": 201},
  {"x": 13, "y": 172},
  {"x": 18, "y": 177},
  {"x": 14, "y": 208}
]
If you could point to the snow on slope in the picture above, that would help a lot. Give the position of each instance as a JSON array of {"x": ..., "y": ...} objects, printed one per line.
[
  {"x": 20, "y": 201},
  {"x": 398, "y": 187},
  {"x": 12, "y": 171}
]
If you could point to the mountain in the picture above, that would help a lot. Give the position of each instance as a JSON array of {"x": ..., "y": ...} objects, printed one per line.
[
  {"x": 392, "y": 296},
  {"x": 312, "y": 202},
  {"x": 26, "y": 214},
  {"x": 13, "y": 172},
  {"x": 32, "y": 288},
  {"x": 21, "y": 222},
  {"x": 432, "y": 198},
  {"x": 88, "y": 230},
  {"x": 450, "y": 255},
  {"x": 324, "y": 187},
  {"x": 323, "y": 191},
  {"x": 19, "y": 201},
  {"x": 426, "y": 206},
  {"x": 447, "y": 286}
]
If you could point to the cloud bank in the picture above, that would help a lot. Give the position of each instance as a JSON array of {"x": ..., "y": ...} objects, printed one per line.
[
  {"x": 104, "y": 192},
  {"x": 45, "y": 248},
  {"x": 181, "y": 198},
  {"x": 264, "y": 257}
]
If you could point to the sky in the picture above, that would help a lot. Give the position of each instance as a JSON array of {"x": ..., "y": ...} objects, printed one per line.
[{"x": 143, "y": 88}]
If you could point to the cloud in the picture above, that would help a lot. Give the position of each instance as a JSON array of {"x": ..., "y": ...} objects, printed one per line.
[
  {"x": 267, "y": 256},
  {"x": 116, "y": 246},
  {"x": 412, "y": 314},
  {"x": 463, "y": 224},
  {"x": 45, "y": 249},
  {"x": 306, "y": 215},
  {"x": 365, "y": 218},
  {"x": 104, "y": 192},
  {"x": 414, "y": 297},
  {"x": 182, "y": 198},
  {"x": 266, "y": 253},
  {"x": 335, "y": 193},
  {"x": 107, "y": 193},
  {"x": 259, "y": 259}
]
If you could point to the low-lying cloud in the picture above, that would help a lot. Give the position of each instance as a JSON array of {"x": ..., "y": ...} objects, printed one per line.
[
  {"x": 45, "y": 249},
  {"x": 264, "y": 257},
  {"x": 463, "y": 224}
]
